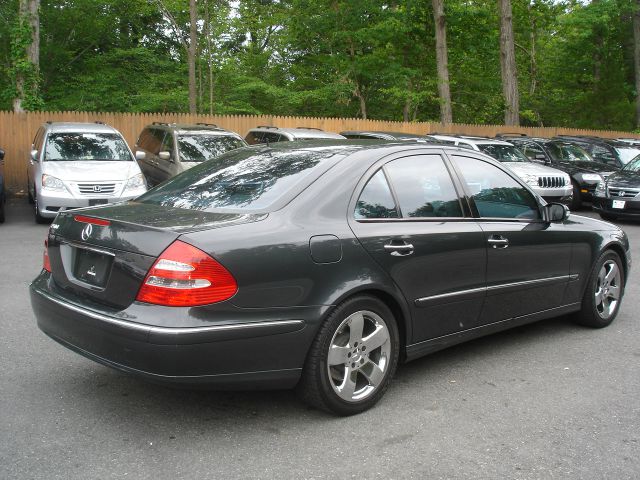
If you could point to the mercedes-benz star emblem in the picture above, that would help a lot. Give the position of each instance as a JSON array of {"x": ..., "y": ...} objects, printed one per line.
[{"x": 86, "y": 232}]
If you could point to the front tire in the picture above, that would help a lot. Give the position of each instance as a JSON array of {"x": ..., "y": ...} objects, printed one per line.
[
  {"x": 602, "y": 297},
  {"x": 36, "y": 211},
  {"x": 353, "y": 357}
]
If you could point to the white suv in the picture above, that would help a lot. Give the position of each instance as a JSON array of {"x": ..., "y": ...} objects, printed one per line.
[{"x": 550, "y": 183}]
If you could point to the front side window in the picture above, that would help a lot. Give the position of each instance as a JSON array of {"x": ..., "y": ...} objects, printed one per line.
[
  {"x": 424, "y": 187},
  {"x": 167, "y": 144},
  {"x": 68, "y": 147},
  {"x": 565, "y": 152},
  {"x": 200, "y": 147},
  {"x": 604, "y": 155},
  {"x": 496, "y": 194}
]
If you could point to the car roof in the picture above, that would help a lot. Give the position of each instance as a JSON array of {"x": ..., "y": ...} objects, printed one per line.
[
  {"x": 471, "y": 140},
  {"x": 385, "y": 135},
  {"x": 79, "y": 127},
  {"x": 300, "y": 132},
  {"x": 192, "y": 127}
]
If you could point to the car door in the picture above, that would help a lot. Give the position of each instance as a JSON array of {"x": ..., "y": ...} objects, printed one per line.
[
  {"x": 528, "y": 260},
  {"x": 410, "y": 217},
  {"x": 152, "y": 145}
]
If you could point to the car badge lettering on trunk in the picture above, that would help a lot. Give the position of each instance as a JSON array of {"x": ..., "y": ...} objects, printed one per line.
[{"x": 86, "y": 232}]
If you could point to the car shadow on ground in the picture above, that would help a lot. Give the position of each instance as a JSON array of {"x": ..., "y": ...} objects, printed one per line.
[{"x": 99, "y": 388}]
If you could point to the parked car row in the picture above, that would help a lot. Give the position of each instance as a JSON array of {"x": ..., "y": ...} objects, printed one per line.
[{"x": 84, "y": 164}]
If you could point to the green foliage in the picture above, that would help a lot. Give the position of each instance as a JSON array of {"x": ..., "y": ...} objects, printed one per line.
[{"x": 327, "y": 58}]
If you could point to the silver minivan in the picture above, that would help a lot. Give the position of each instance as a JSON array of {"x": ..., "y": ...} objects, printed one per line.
[{"x": 75, "y": 165}]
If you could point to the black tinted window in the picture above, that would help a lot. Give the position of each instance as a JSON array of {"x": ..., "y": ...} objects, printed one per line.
[
  {"x": 503, "y": 153},
  {"x": 65, "y": 147},
  {"x": 603, "y": 154},
  {"x": 495, "y": 193},
  {"x": 424, "y": 187},
  {"x": 200, "y": 147},
  {"x": 376, "y": 200},
  {"x": 241, "y": 179}
]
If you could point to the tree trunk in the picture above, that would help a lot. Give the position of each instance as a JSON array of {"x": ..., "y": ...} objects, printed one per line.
[
  {"x": 636, "y": 57},
  {"x": 29, "y": 12},
  {"x": 508, "y": 65},
  {"x": 191, "y": 55},
  {"x": 446, "y": 115}
]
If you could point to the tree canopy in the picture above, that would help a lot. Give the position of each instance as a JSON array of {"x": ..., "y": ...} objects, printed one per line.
[{"x": 338, "y": 58}]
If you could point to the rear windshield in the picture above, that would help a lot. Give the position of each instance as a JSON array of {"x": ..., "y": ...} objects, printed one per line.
[
  {"x": 504, "y": 153},
  {"x": 202, "y": 147},
  {"x": 246, "y": 179},
  {"x": 70, "y": 147}
]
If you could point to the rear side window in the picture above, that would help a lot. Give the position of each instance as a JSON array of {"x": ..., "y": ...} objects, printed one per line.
[
  {"x": 424, "y": 187},
  {"x": 376, "y": 200},
  {"x": 242, "y": 179},
  {"x": 496, "y": 194},
  {"x": 200, "y": 147}
]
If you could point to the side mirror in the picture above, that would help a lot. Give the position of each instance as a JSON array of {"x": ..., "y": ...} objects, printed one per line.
[
  {"x": 1, "y": 154},
  {"x": 164, "y": 155},
  {"x": 140, "y": 155},
  {"x": 555, "y": 213},
  {"x": 34, "y": 155}
]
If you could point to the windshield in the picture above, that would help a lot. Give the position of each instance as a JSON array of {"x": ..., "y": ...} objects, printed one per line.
[
  {"x": 70, "y": 147},
  {"x": 504, "y": 153},
  {"x": 626, "y": 154},
  {"x": 202, "y": 147},
  {"x": 243, "y": 179},
  {"x": 633, "y": 165},
  {"x": 568, "y": 153}
]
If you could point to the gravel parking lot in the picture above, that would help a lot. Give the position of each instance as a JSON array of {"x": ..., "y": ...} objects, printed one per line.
[{"x": 548, "y": 400}]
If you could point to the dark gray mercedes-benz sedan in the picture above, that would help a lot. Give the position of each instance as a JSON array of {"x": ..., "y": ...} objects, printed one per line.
[{"x": 320, "y": 266}]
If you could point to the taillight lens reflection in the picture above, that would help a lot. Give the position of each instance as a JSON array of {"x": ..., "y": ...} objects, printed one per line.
[{"x": 185, "y": 276}]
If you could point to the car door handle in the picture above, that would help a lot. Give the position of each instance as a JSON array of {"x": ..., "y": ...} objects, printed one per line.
[
  {"x": 498, "y": 241},
  {"x": 399, "y": 249}
]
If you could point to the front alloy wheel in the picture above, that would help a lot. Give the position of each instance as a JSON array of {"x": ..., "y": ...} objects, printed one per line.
[
  {"x": 602, "y": 297},
  {"x": 353, "y": 357}
]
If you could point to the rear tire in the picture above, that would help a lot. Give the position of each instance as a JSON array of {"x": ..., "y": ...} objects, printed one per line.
[
  {"x": 605, "y": 288},
  {"x": 36, "y": 210},
  {"x": 2, "y": 202},
  {"x": 352, "y": 359}
]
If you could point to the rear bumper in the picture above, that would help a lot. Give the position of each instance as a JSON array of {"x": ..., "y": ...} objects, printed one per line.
[{"x": 252, "y": 355}]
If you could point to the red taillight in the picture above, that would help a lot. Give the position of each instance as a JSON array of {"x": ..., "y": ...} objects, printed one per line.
[
  {"x": 94, "y": 221},
  {"x": 184, "y": 276},
  {"x": 46, "y": 264}
]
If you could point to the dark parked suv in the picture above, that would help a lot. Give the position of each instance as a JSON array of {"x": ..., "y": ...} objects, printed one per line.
[
  {"x": 569, "y": 157},
  {"x": 605, "y": 150},
  {"x": 165, "y": 149}
]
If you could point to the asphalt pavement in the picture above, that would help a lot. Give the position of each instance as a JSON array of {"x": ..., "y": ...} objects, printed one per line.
[{"x": 550, "y": 400}]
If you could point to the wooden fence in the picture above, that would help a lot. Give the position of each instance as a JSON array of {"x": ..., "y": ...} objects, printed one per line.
[{"x": 18, "y": 129}]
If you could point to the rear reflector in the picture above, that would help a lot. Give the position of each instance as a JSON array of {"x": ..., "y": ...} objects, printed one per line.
[
  {"x": 46, "y": 264},
  {"x": 94, "y": 221},
  {"x": 185, "y": 276}
]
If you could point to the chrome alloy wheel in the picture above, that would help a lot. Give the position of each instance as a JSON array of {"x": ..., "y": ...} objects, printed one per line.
[
  {"x": 607, "y": 294},
  {"x": 359, "y": 356}
]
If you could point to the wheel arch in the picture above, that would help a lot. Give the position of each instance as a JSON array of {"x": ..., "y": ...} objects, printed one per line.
[
  {"x": 394, "y": 301},
  {"x": 619, "y": 249}
]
